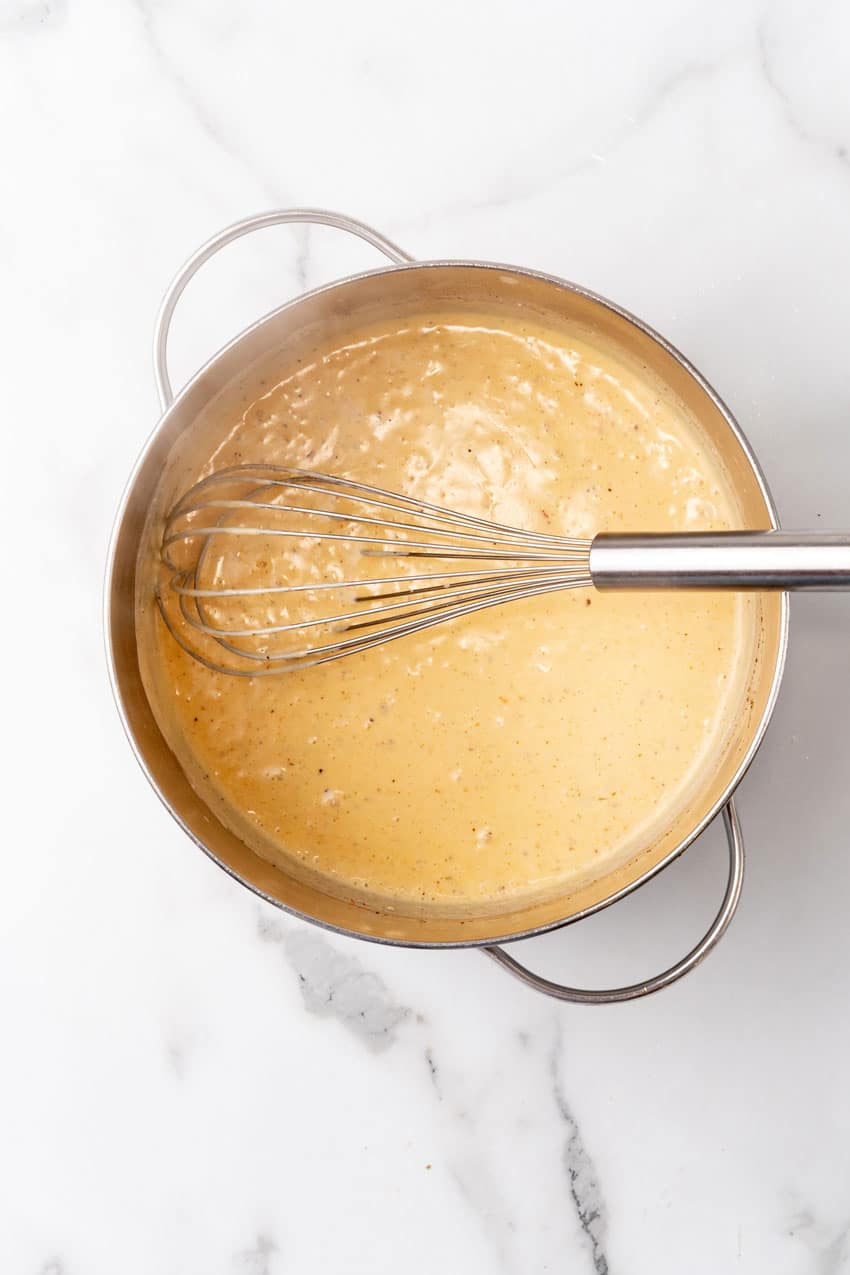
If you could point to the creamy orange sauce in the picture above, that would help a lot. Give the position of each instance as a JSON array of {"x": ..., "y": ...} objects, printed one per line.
[{"x": 514, "y": 753}]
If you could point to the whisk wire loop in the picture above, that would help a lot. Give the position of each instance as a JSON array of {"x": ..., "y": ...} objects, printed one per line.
[{"x": 238, "y": 505}]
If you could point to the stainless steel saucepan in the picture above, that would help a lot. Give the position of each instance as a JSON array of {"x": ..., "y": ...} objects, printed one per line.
[{"x": 233, "y": 376}]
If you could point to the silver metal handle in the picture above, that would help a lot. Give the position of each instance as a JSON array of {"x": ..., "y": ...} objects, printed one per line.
[
  {"x": 722, "y": 560},
  {"x": 608, "y": 996},
  {"x": 284, "y": 216}
]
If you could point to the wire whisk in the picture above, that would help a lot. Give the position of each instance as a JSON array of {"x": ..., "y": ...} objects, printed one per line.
[
  {"x": 254, "y": 595},
  {"x": 268, "y": 569}
]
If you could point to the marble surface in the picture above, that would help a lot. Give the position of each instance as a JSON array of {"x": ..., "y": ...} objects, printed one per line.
[{"x": 192, "y": 1083}]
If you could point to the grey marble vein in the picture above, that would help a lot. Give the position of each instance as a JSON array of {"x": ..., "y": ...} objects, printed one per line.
[
  {"x": 338, "y": 986},
  {"x": 482, "y": 1191},
  {"x": 828, "y": 1249},
  {"x": 259, "y": 1259},
  {"x": 197, "y": 106},
  {"x": 839, "y": 151},
  {"x": 583, "y": 1183},
  {"x": 836, "y": 1256},
  {"x": 180, "y": 1041},
  {"x": 433, "y": 1072},
  {"x": 522, "y": 191},
  {"x": 176, "y": 1059},
  {"x": 179, "y": 1049},
  {"x": 32, "y": 15}
]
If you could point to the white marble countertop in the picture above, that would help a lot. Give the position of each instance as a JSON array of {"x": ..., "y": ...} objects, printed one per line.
[{"x": 192, "y": 1083}]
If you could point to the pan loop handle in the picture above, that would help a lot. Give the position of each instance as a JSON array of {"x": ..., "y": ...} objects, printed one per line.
[
  {"x": 607, "y": 996},
  {"x": 284, "y": 216}
]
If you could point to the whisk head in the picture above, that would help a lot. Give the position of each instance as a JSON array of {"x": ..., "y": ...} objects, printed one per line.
[{"x": 268, "y": 569}]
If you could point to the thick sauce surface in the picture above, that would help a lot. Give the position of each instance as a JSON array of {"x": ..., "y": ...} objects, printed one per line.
[{"x": 513, "y": 753}]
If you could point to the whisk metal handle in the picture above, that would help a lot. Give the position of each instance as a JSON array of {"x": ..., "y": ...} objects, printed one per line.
[
  {"x": 722, "y": 560},
  {"x": 290, "y": 216}
]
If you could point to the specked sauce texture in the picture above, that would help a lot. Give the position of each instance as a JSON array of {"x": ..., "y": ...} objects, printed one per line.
[{"x": 512, "y": 754}]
